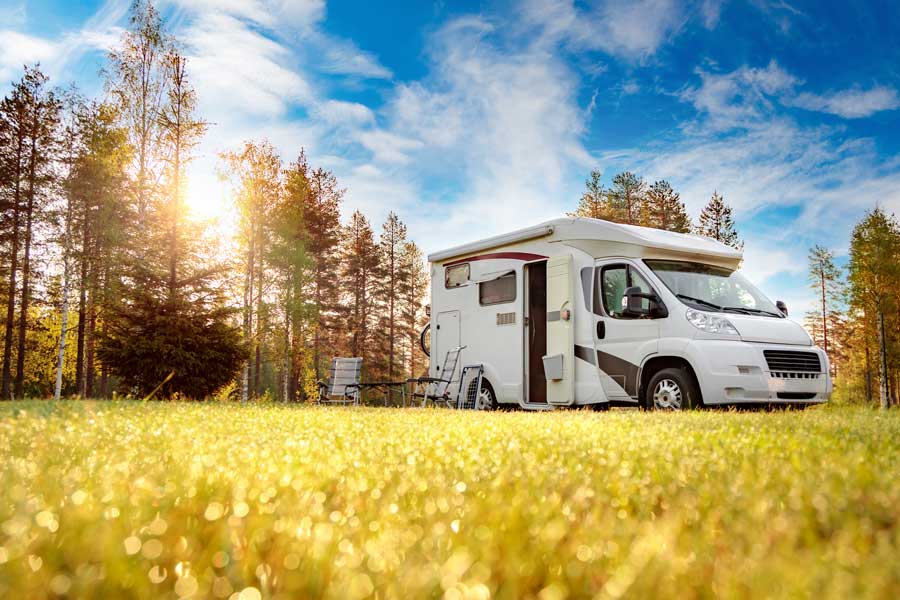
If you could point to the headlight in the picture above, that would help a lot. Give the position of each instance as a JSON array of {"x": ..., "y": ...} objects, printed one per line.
[{"x": 710, "y": 323}]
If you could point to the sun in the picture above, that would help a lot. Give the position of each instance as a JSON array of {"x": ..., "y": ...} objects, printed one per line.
[
  {"x": 209, "y": 203},
  {"x": 207, "y": 197}
]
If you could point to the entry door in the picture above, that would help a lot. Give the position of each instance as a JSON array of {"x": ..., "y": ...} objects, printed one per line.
[
  {"x": 561, "y": 329},
  {"x": 446, "y": 338},
  {"x": 535, "y": 331},
  {"x": 622, "y": 343}
]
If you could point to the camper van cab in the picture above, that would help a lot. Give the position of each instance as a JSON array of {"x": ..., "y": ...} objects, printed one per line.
[{"x": 577, "y": 311}]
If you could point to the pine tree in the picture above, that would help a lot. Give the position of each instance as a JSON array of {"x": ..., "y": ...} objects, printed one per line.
[
  {"x": 13, "y": 125},
  {"x": 413, "y": 289},
  {"x": 626, "y": 198},
  {"x": 30, "y": 117},
  {"x": 594, "y": 202},
  {"x": 322, "y": 214},
  {"x": 391, "y": 241},
  {"x": 717, "y": 222},
  {"x": 665, "y": 210},
  {"x": 255, "y": 172},
  {"x": 180, "y": 131},
  {"x": 874, "y": 278},
  {"x": 97, "y": 184},
  {"x": 173, "y": 303},
  {"x": 824, "y": 279},
  {"x": 291, "y": 264},
  {"x": 360, "y": 270}
]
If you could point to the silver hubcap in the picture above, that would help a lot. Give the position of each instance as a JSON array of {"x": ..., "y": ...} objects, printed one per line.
[
  {"x": 667, "y": 395},
  {"x": 484, "y": 400}
]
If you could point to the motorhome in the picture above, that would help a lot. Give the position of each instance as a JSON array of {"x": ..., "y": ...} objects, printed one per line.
[{"x": 578, "y": 312}]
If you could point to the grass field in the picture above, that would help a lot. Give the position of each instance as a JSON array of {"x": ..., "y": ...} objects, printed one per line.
[{"x": 111, "y": 500}]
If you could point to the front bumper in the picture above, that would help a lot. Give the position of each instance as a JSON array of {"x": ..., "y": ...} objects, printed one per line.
[{"x": 735, "y": 372}]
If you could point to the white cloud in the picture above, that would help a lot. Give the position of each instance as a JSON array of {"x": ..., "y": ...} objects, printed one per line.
[
  {"x": 851, "y": 104},
  {"x": 500, "y": 127},
  {"x": 55, "y": 55},
  {"x": 388, "y": 147},
  {"x": 629, "y": 88},
  {"x": 343, "y": 57},
  {"x": 631, "y": 29},
  {"x": 340, "y": 113},
  {"x": 740, "y": 98},
  {"x": 17, "y": 49},
  {"x": 761, "y": 160},
  {"x": 711, "y": 10},
  {"x": 239, "y": 71}
]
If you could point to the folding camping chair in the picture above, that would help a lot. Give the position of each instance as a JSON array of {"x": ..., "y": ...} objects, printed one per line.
[
  {"x": 342, "y": 386},
  {"x": 437, "y": 389}
]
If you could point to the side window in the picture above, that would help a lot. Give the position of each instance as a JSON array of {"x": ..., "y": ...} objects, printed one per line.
[
  {"x": 456, "y": 275},
  {"x": 614, "y": 280},
  {"x": 497, "y": 291}
]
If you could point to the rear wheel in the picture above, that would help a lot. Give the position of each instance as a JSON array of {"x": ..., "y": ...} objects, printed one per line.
[{"x": 671, "y": 389}]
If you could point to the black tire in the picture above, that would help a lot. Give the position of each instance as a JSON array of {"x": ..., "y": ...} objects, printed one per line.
[
  {"x": 672, "y": 389},
  {"x": 487, "y": 392}
]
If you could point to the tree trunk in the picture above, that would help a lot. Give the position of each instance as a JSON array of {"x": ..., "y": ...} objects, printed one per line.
[
  {"x": 391, "y": 324},
  {"x": 64, "y": 316},
  {"x": 248, "y": 316},
  {"x": 824, "y": 313},
  {"x": 6, "y": 377},
  {"x": 19, "y": 391},
  {"x": 82, "y": 314},
  {"x": 257, "y": 376},
  {"x": 883, "y": 393},
  {"x": 89, "y": 343}
]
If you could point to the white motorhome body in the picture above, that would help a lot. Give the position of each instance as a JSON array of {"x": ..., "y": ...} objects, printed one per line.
[{"x": 579, "y": 311}]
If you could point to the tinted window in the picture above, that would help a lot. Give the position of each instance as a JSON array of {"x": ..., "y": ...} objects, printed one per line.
[{"x": 498, "y": 290}]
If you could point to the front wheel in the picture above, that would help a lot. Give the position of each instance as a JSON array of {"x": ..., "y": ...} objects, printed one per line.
[{"x": 671, "y": 389}]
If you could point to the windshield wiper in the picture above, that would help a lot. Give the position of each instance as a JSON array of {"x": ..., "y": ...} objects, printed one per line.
[
  {"x": 752, "y": 311},
  {"x": 700, "y": 301}
]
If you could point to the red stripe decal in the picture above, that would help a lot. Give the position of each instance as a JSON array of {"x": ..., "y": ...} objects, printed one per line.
[{"x": 526, "y": 256}]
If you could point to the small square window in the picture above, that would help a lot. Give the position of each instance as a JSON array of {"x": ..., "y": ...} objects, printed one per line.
[{"x": 456, "y": 275}]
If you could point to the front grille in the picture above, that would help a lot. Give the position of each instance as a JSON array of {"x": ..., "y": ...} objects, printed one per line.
[
  {"x": 792, "y": 361},
  {"x": 793, "y": 375}
]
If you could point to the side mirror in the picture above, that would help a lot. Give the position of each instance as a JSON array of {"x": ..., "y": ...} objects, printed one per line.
[
  {"x": 633, "y": 305},
  {"x": 780, "y": 305}
]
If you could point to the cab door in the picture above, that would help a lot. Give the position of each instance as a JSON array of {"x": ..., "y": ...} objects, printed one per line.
[
  {"x": 622, "y": 343},
  {"x": 559, "y": 362}
]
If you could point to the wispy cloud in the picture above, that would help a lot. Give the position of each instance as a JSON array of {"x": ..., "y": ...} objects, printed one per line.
[
  {"x": 621, "y": 28},
  {"x": 56, "y": 54},
  {"x": 854, "y": 103},
  {"x": 740, "y": 98},
  {"x": 503, "y": 125},
  {"x": 761, "y": 159}
]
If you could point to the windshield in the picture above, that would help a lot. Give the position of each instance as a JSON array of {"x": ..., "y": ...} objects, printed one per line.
[{"x": 712, "y": 288}]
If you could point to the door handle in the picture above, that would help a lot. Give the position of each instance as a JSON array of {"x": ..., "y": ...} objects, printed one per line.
[{"x": 601, "y": 330}]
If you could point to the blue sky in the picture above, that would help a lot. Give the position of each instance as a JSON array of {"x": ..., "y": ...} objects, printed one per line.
[{"x": 471, "y": 118}]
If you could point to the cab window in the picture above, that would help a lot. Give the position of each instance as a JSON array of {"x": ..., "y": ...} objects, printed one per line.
[{"x": 612, "y": 281}]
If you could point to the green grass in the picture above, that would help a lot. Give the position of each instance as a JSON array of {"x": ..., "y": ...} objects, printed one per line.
[{"x": 110, "y": 500}]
